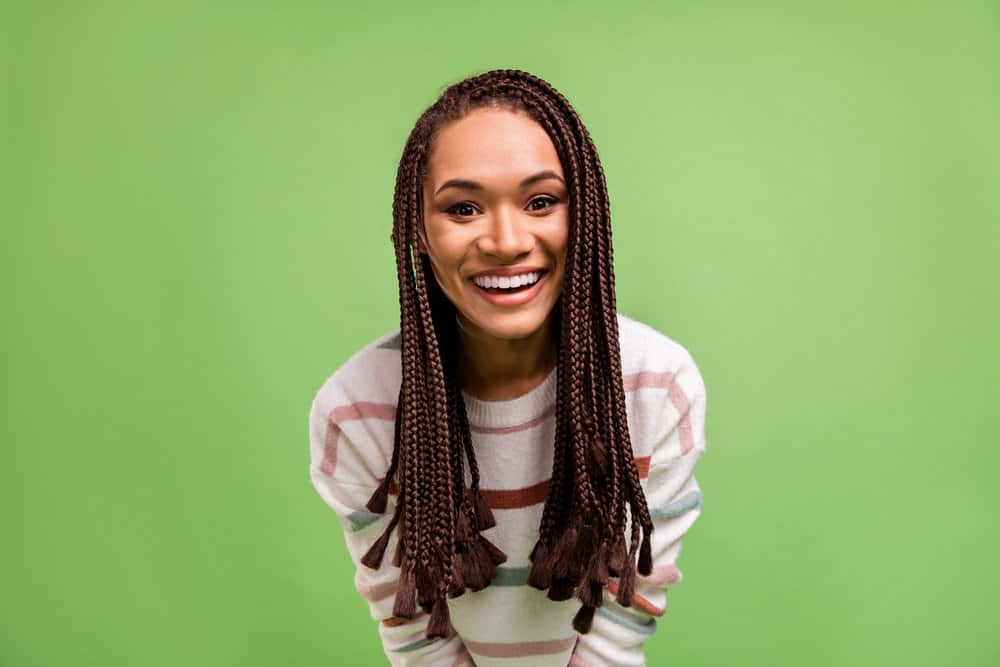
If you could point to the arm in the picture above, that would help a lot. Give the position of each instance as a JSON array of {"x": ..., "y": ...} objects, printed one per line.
[
  {"x": 618, "y": 634},
  {"x": 332, "y": 450}
]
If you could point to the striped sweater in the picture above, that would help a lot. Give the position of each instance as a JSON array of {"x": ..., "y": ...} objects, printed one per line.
[{"x": 510, "y": 623}]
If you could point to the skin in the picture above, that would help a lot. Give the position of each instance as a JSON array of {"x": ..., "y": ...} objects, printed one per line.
[{"x": 506, "y": 350}]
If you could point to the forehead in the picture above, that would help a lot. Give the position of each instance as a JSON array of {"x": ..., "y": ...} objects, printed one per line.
[{"x": 491, "y": 144}]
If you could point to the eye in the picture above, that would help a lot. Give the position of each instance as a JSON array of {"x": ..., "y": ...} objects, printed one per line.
[
  {"x": 551, "y": 201},
  {"x": 454, "y": 209}
]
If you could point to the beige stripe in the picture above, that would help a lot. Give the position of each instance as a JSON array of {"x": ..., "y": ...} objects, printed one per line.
[
  {"x": 520, "y": 649},
  {"x": 663, "y": 575},
  {"x": 376, "y": 592}
]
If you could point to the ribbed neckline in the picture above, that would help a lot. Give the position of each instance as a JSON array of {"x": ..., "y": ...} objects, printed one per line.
[{"x": 513, "y": 411}]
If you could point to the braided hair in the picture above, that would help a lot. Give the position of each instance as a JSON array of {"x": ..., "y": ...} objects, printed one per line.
[{"x": 594, "y": 492}]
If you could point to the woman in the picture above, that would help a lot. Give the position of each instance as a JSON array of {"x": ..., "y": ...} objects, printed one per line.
[{"x": 516, "y": 434}]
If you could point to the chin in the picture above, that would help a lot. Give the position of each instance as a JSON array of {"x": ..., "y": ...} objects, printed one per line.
[
  {"x": 510, "y": 327},
  {"x": 513, "y": 333}
]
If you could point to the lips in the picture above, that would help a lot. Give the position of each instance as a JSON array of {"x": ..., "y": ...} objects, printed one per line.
[
  {"x": 512, "y": 297},
  {"x": 510, "y": 271},
  {"x": 494, "y": 283}
]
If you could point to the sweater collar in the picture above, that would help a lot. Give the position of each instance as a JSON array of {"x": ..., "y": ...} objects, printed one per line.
[{"x": 514, "y": 411}]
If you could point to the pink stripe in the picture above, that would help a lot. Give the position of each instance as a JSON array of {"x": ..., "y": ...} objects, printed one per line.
[
  {"x": 463, "y": 658},
  {"x": 520, "y": 649},
  {"x": 577, "y": 661},
  {"x": 363, "y": 410},
  {"x": 630, "y": 382},
  {"x": 675, "y": 393},
  {"x": 376, "y": 592},
  {"x": 634, "y": 381},
  {"x": 509, "y": 499},
  {"x": 343, "y": 413},
  {"x": 680, "y": 401},
  {"x": 663, "y": 575},
  {"x": 329, "y": 462},
  {"x": 531, "y": 423},
  {"x": 387, "y": 412}
]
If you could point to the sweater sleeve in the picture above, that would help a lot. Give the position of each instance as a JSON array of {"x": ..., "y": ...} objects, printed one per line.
[
  {"x": 618, "y": 634},
  {"x": 339, "y": 440}
]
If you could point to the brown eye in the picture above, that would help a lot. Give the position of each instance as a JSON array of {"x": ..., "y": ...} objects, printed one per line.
[
  {"x": 455, "y": 208},
  {"x": 549, "y": 200}
]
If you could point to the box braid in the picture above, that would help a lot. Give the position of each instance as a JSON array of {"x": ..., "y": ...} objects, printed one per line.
[{"x": 594, "y": 491}]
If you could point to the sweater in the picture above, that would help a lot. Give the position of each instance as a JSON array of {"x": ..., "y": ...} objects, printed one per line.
[{"x": 351, "y": 430}]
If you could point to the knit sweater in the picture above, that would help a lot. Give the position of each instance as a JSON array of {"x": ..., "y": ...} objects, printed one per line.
[{"x": 351, "y": 430}]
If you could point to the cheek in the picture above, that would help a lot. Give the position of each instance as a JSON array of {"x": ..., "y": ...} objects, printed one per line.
[
  {"x": 560, "y": 241},
  {"x": 446, "y": 264},
  {"x": 437, "y": 244}
]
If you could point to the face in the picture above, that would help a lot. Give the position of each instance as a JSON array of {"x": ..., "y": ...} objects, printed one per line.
[{"x": 496, "y": 222}]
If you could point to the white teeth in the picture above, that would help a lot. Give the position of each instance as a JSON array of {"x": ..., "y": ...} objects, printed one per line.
[{"x": 508, "y": 282}]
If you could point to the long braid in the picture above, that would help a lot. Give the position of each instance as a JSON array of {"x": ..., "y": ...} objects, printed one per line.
[
  {"x": 594, "y": 477},
  {"x": 435, "y": 547},
  {"x": 571, "y": 552},
  {"x": 565, "y": 463},
  {"x": 610, "y": 433}
]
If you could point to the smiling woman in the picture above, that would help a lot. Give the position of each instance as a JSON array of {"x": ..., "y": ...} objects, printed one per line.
[
  {"x": 524, "y": 451},
  {"x": 506, "y": 222}
]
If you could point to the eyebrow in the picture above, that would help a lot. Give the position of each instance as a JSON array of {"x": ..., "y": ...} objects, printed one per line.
[{"x": 473, "y": 185}]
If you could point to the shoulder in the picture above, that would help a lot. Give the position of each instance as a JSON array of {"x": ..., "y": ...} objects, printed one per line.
[
  {"x": 644, "y": 348},
  {"x": 664, "y": 388},
  {"x": 351, "y": 418},
  {"x": 372, "y": 373}
]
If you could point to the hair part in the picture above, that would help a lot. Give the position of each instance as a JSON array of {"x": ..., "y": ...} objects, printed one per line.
[{"x": 595, "y": 491}]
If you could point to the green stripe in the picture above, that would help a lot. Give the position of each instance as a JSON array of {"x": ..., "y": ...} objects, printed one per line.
[
  {"x": 647, "y": 628},
  {"x": 413, "y": 646},
  {"x": 684, "y": 503},
  {"x": 393, "y": 343},
  {"x": 511, "y": 576},
  {"x": 361, "y": 519}
]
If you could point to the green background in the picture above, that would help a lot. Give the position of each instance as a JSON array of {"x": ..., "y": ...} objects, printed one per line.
[{"x": 196, "y": 213}]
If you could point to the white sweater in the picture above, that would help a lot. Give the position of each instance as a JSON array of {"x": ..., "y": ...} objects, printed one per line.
[{"x": 351, "y": 428}]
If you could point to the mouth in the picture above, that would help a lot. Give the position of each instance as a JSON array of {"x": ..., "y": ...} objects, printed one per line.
[{"x": 511, "y": 296}]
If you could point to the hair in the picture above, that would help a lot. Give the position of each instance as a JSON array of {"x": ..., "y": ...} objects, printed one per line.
[{"x": 594, "y": 491}]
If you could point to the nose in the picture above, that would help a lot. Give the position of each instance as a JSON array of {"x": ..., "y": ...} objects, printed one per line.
[{"x": 507, "y": 236}]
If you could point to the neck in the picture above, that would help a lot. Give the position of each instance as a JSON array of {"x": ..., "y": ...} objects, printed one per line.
[{"x": 497, "y": 369}]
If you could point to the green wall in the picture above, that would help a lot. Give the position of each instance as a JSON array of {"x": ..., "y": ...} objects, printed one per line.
[{"x": 196, "y": 208}]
